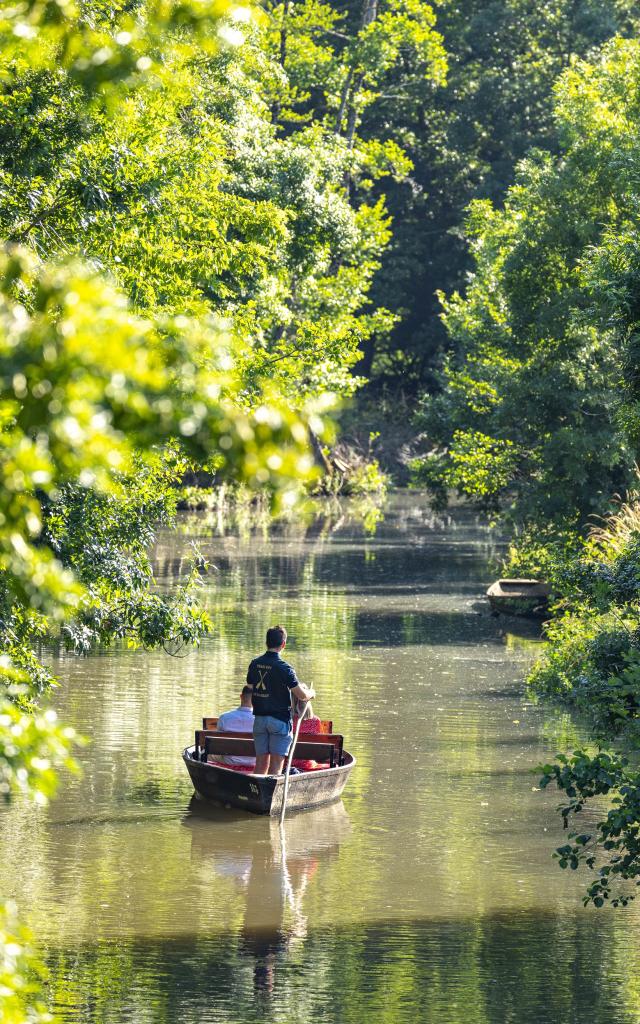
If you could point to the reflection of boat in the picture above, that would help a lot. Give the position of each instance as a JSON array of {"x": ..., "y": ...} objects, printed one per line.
[
  {"x": 305, "y": 834},
  {"x": 262, "y": 794},
  {"x": 272, "y": 865},
  {"x": 519, "y": 597}
]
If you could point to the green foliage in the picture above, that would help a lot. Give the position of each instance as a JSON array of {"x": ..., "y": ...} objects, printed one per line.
[
  {"x": 85, "y": 383},
  {"x": 339, "y": 63},
  {"x": 584, "y": 777},
  {"x": 465, "y": 140},
  {"x": 476, "y": 465},
  {"x": 543, "y": 551},
  {"x": 593, "y": 655},
  {"x": 544, "y": 329},
  {"x": 592, "y": 664},
  {"x": 106, "y": 47},
  {"x": 366, "y": 478},
  {"x": 188, "y": 196},
  {"x": 105, "y": 538},
  {"x": 332, "y": 66},
  {"x": 32, "y": 748},
  {"x": 353, "y": 470},
  {"x": 21, "y": 974}
]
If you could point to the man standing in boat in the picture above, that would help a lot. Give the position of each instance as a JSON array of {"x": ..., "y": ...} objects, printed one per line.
[{"x": 273, "y": 682}]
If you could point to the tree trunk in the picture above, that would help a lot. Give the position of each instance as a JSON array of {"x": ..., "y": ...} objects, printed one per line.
[
  {"x": 363, "y": 367},
  {"x": 284, "y": 28},
  {"x": 344, "y": 96},
  {"x": 369, "y": 15},
  {"x": 283, "y": 33},
  {"x": 318, "y": 454}
]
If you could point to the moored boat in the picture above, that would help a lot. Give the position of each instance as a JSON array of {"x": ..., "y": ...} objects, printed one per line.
[
  {"x": 263, "y": 794},
  {"x": 519, "y": 597}
]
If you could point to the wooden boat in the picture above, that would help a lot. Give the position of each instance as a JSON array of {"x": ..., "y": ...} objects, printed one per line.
[
  {"x": 263, "y": 794},
  {"x": 519, "y": 597}
]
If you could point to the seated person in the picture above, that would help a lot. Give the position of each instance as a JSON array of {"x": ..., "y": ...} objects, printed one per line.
[{"x": 238, "y": 720}]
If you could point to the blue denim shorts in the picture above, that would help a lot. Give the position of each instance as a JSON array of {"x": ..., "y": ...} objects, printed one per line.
[{"x": 271, "y": 736}]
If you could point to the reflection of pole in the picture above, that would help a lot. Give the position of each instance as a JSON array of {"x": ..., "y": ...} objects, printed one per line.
[
  {"x": 287, "y": 888},
  {"x": 299, "y": 923},
  {"x": 287, "y": 766}
]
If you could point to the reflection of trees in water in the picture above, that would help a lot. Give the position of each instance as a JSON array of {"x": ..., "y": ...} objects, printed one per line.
[
  {"x": 529, "y": 969},
  {"x": 301, "y": 531},
  {"x": 334, "y": 532},
  {"x": 260, "y": 956},
  {"x": 301, "y": 570},
  {"x": 341, "y": 553},
  {"x": 309, "y": 519}
]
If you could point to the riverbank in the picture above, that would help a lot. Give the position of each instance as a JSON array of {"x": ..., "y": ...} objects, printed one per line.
[{"x": 591, "y": 665}]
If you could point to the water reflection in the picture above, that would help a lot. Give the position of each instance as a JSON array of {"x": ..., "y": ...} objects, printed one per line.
[
  {"x": 272, "y": 868},
  {"x": 499, "y": 969}
]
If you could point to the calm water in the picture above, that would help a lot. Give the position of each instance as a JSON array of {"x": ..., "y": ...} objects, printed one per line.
[{"x": 428, "y": 895}]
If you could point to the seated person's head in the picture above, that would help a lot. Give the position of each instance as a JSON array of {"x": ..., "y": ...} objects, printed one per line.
[
  {"x": 245, "y": 696},
  {"x": 276, "y": 638}
]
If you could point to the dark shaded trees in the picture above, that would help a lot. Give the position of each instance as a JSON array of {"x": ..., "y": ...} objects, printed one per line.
[{"x": 465, "y": 139}]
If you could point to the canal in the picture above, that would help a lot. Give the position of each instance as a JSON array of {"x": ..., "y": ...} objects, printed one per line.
[{"x": 427, "y": 895}]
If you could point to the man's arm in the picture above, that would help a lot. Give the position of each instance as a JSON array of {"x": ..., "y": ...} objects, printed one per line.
[
  {"x": 303, "y": 692},
  {"x": 297, "y": 688}
]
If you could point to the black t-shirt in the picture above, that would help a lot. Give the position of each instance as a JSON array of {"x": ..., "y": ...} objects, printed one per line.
[{"x": 271, "y": 679}]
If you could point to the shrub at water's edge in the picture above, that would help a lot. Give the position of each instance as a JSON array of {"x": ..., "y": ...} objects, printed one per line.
[{"x": 592, "y": 665}]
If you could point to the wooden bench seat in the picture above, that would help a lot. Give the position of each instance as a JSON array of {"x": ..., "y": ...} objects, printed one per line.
[
  {"x": 311, "y": 738},
  {"x": 222, "y": 743}
]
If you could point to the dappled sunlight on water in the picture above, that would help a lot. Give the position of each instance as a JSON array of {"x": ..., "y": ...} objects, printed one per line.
[{"x": 428, "y": 894}]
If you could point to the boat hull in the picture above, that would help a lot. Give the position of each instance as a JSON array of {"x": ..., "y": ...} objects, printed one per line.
[
  {"x": 263, "y": 794},
  {"x": 526, "y": 598}
]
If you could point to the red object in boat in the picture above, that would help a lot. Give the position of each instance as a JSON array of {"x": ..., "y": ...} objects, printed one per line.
[{"x": 309, "y": 725}]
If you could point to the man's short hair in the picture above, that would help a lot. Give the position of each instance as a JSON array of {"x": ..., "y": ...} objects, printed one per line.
[
  {"x": 276, "y": 636},
  {"x": 247, "y": 691}
]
